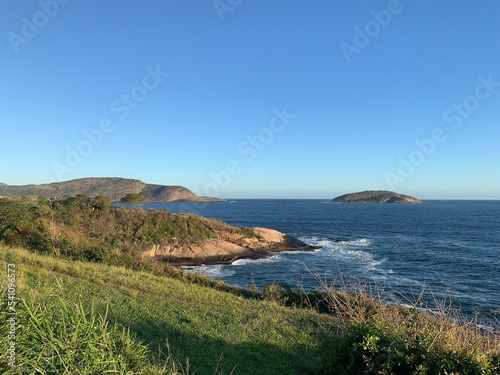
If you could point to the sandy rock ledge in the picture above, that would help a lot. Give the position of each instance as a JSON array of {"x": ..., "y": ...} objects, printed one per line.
[{"x": 225, "y": 249}]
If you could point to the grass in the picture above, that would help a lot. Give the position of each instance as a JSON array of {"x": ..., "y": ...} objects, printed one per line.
[
  {"x": 89, "y": 318},
  {"x": 213, "y": 331},
  {"x": 382, "y": 338}
]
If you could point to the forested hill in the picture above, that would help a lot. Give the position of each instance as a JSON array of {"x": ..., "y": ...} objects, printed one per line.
[{"x": 114, "y": 188}]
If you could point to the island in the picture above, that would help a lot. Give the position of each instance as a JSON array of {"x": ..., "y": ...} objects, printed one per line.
[
  {"x": 113, "y": 187},
  {"x": 375, "y": 196}
]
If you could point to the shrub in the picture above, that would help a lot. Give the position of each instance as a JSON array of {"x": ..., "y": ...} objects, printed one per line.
[{"x": 379, "y": 338}]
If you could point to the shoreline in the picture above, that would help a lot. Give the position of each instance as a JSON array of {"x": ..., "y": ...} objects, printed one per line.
[
  {"x": 252, "y": 254},
  {"x": 225, "y": 249}
]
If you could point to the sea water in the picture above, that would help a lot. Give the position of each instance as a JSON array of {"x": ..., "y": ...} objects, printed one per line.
[{"x": 431, "y": 253}]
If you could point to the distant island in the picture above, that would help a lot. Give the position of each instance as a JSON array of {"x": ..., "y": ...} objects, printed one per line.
[
  {"x": 114, "y": 188},
  {"x": 375, "y": 196}
]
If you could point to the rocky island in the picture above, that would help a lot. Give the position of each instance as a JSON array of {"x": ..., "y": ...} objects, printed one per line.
[{"x": 375, "y": 196}]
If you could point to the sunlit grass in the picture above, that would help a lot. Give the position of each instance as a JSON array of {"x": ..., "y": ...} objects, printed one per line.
[
  {"x": 201, "y": 325},
  {"x": 98, "y": 318}
]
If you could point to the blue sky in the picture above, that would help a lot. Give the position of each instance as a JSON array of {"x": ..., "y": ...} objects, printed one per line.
[{"x": 254, "y": 99}]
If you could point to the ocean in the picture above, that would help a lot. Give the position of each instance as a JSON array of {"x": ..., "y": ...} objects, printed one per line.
[{"x": 435, "y": 252}]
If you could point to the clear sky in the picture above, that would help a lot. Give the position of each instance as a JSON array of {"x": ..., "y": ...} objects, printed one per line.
[{"x": 254, "y": 99}]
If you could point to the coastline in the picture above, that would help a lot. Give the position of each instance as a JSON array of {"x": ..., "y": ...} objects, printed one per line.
[{"x": 226, "y": 250}]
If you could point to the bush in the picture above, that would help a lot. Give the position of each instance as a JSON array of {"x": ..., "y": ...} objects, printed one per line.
[
  {"x": 91, "y": 229},
  {"x": 378, "y": 338},
  {"x": 366, "y": 349}
]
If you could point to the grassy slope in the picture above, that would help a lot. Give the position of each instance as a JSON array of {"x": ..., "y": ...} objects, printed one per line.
[{"x": 199, "y": 323}]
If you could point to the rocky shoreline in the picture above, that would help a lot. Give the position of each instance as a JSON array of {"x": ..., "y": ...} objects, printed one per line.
[{"x": 225, "y": 250}]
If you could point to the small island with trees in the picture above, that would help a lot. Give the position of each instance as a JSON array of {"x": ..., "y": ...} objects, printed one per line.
[{"x": 375, "y": 196}]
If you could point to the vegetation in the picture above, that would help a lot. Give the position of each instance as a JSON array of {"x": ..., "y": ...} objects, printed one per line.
[
  {"x": 87, "y": 305},
  {"x": 380, "y": 338},
  {"x": 91, "y": 229},
  {"x": 133, "y": 198},
  {"x": 115, "y": 188},
  {"x": 208, "y": 331},
  {"x": 58, "y": 338}
]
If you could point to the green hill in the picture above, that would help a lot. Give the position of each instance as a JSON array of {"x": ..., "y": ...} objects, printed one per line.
[
  {"x": 375, "y": 196},
  {"x": 88, "y": 318},
  {"x": 218, "y": 331},
  {"x": 115, "y": 188}
]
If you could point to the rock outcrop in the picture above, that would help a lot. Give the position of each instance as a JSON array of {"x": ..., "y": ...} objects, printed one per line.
[{"x": 226, "y": 249}]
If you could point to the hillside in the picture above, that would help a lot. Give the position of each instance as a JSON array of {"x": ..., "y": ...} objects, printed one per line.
[
  {"x": 91, "y": 229},
  {"x": 216, "y": 331},
  {"x": 114, "y": 188},
  {"x": 87, "y": 318},
  {"x": 375, "y": 196}
]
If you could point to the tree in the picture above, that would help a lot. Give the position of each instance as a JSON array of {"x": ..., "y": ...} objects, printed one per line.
[
  {"x": 134, "y": 199},
  {"x": 100, "y": 203}
]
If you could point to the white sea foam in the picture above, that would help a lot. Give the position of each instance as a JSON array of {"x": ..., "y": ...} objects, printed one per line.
[
  {"x": 297, "y": 252},
  {"x": 318, "y": 241},
  {"x": 359, "y": 242},
  {"x": 213, "y": 271},
  {"x": 373, "y": 264},
  {"x": 242, "y": 262}
]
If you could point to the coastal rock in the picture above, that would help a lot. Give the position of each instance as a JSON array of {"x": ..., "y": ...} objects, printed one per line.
[
  {"x": 226, "y": 249},
  {"x": 276, "y": 241}
]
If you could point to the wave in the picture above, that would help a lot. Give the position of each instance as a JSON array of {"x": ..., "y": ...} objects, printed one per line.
[
  {"x": 211, "y": 271},
  {"x": 451, "y": 243},
  {"x": 336, "y": 242},
  {"x": 243, "y": 262},
  {"x": 323, "y": 243},
  {"x": 357, "y": 242},
  {"x": 296, "y": 252},
  {"x": 372, "y": 266}
]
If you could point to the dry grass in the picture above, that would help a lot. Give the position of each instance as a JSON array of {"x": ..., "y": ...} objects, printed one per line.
[{"x": 388, "y": 338}]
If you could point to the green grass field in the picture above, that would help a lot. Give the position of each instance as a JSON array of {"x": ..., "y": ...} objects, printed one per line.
[
  {"x": 208, "y": 331},
  {"x": 75, "y": 317}
]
